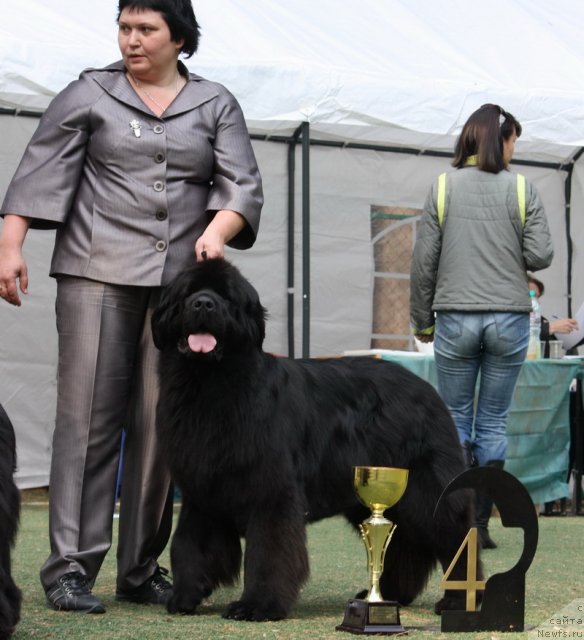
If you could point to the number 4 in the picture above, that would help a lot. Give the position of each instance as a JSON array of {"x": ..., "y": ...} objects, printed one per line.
[{"x": 471, "y": 585}]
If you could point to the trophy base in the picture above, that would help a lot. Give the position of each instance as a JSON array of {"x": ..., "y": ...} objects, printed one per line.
[{"x": 363, "y": 617}]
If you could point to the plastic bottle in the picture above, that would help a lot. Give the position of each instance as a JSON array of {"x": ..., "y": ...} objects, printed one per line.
[{"x": 534, "y": 348}]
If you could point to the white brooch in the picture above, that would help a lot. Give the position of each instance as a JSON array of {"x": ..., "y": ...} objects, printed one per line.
[{"x": 136, "y": 127}]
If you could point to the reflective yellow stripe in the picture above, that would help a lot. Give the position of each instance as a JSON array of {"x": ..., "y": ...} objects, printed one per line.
[
  {"x": 441, "y": 198},
  {"x": 521, "y": 197},
  {"x": 423, "y": 332}
]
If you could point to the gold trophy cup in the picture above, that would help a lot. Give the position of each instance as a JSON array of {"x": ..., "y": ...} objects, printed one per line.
[{"x": 378, "y": 488}]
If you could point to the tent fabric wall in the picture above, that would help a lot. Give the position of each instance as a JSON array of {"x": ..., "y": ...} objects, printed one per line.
[
  {"x": 28, "y": 357},
  {"x": 577, "y": 235},
  {"x": 345, "y": 183}
]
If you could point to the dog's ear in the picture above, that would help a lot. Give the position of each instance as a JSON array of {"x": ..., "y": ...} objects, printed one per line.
[
  {"x": 166, "y": 318},
  {"x": 255, "y": 313},
  {"x": 260, "y": 314}
]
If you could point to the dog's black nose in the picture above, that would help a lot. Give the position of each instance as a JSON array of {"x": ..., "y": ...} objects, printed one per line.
[{"x": 203, "y": 302}]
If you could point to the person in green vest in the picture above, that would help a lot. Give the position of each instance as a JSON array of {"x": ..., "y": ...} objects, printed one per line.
[{"x": 482, "y": 228}]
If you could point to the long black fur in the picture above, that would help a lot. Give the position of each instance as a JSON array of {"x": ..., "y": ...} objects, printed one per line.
[
  {"x": 10, "y": 596},
  {"x": 260, "y": 445}
]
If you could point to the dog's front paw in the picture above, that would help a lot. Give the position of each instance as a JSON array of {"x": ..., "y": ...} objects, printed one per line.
[
  {"x": 253, "y": 611},
  {"x": 182, "y": 603},
  {"x": 454, "y": 601}
]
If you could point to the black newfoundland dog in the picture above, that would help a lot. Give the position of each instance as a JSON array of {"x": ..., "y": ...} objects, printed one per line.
[
  {"x": 9, "y": 512},
  {"x": 260, "y": 445}
]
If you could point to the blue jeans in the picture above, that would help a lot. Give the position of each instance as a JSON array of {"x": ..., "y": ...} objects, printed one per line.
[{"x": 494, "y": 345}]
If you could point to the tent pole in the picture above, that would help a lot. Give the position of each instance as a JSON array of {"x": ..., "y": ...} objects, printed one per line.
[
  {"x": 569, "y": 244},
  {"x": 305, "y": 240},
  {"x": 569, "y": 247},
  {"x": 292, "y": 142}
]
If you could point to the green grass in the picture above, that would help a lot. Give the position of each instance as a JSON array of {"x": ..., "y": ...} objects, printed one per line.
[{"x": 338, "y": 570}]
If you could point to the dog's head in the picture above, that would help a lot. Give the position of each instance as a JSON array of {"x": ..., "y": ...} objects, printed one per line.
[{"x": 208, "y": 311}]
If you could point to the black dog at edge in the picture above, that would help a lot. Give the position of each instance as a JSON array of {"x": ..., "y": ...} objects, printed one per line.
[
  {"x": 260, "y": 445},
  {"x": 10, "y": 596}
]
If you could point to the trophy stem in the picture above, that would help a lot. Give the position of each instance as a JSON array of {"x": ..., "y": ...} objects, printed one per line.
[{"x": 376, "y": 532}]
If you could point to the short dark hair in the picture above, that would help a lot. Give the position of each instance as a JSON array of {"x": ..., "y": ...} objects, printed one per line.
[
  {"x": 538, "y": 283},
  {"x": 178, "y": 15},
  {"x": 482, "y": 135}
]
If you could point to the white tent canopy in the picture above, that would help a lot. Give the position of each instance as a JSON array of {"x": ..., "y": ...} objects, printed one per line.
[
  {"x": 384, "y": 71},
  {"x": 394, "y": 74}
]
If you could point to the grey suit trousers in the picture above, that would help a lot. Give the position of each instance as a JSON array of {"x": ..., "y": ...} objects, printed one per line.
[{"x": 107, "y": 382}]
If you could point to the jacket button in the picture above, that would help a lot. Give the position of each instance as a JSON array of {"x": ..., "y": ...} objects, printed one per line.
[
  {"x": 161, "y": 214},
  {"x": 159, "y": 157},
  {"x": 158, "y": 128},
  {"x": 160, "y": 246},
  {"x": 158, "y": 186}
]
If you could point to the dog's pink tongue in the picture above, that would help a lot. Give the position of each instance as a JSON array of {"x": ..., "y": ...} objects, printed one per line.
[{"x": 202, "y": 342}]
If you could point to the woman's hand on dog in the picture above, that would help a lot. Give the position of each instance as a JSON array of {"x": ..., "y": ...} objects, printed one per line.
[{"x": 224, "y": 226}]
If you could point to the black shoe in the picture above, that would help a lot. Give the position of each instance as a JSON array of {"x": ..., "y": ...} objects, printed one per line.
[
  {"x": 71, "y": 592},
  {"x": 485, "y": 539},
  {"x": 156, "y": 590}
]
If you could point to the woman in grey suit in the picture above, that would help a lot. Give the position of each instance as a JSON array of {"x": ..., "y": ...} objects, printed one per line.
[{"x": 142, "y": 167}]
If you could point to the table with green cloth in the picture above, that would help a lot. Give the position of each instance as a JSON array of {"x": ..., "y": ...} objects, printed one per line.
[{"x": 538, "y": 429}]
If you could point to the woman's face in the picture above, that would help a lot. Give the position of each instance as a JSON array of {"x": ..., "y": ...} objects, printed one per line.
[
  {"x": 509, "y": 148},
  {"x": 145, "y": 43}
]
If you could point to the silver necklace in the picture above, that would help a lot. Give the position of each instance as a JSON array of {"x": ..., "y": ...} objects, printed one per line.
[{"x": 154, "y": 101}]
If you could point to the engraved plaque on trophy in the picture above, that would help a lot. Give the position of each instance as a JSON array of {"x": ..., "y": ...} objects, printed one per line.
[{"x": 378, "y": 488}]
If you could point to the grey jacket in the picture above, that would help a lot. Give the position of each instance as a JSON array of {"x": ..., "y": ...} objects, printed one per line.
[
  {"x": 477, "y": 260},
  {"x": 128, "y": 192}
]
